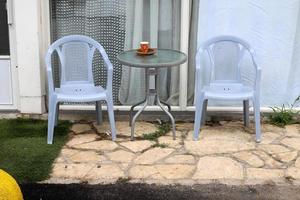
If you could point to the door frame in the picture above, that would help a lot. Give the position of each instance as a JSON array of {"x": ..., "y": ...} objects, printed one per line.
[{"x": 12, "y": 58}]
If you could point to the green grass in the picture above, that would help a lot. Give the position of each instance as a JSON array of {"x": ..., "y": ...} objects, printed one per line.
[
  {"x": 24, "y": 152},
  {"x": 162, "y": 130}
]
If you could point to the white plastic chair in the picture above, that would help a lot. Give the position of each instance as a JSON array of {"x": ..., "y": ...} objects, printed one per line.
[
  {"x": 75, "y": 53},
  {"x": 229, "y": 89}
]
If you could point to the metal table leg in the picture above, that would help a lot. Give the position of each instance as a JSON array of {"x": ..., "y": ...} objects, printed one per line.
[
  {"x": 151, "y": 92},
  {"x": 159, "y": 103},
  {"x": 166, "y": 104},
  {"x": 169, "y": 114},
  {"x": 131, "y": 110},
  {"x": 134, "y": 119}
]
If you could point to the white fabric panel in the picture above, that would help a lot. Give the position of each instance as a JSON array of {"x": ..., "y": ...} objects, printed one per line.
[{"x": 271, "y": 28}]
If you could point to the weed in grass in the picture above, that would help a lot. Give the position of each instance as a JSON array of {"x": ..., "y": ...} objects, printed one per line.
[
  {"x": 284, "y": 115},
  {"x": 162, "y": 130},
  {"x": 151, "y": 136},
  {"x": 160, "y": 145}
]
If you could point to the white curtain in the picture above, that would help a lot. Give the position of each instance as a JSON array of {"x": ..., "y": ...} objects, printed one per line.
[
  {"x": 156, "y": 21},
  {"x": 272, "y": 27}
]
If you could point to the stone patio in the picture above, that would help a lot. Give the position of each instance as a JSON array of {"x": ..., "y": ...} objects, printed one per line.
[{"x": 225, "y": 153}]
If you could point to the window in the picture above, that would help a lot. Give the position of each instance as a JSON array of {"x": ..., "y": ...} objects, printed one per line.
[{"x": 119, "y": 25}]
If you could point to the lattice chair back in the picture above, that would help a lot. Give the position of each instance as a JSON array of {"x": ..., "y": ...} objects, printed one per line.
[
  {"x": 226, "y": 54},
  {"x": 76, "y": 53},
  {"x": 76, "y": 65}
]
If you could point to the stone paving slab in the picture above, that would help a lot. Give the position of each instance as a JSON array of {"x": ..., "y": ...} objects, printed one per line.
[
  {"x": 249, "y": 158},
  {"x": 137, "y": 146},
  {"x": 210, "y": 167},
  {"x": 81, "y": 128},
  {"x": 181, "y": 159},
  {"x": 105, "y": 172},
  {"x": 225, "y": 153},
  {"x": 153, "y": 155},
  {"x": 264, "y": 174}
]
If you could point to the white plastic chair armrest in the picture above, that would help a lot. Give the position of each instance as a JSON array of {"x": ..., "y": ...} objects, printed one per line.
[
  {"x": 109, "y": 67},
  {"x": 198, "y": 74},
  {"x": 257, "y": 80},
  {"x": 258, "y": 73},
  {"x": 50, "y": 81},
  {"x": 49, "y": 72},
  {"x": 197, "y": 82},
  {"x": 109, "y": 79}
]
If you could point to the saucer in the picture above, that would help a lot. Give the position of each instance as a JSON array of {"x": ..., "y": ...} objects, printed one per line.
[{"x": 150, "y": 52}]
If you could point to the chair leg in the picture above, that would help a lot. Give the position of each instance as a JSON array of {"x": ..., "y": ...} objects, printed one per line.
[
  {"x": 51, "y": 121},
  {"x": 99, "y": 112},
  {"x": 204, "y": 110},
  {"x": 198, "y": 115},
  {"x": 246, "y": 112},
  {"x": 257, "y": 120},
  {"x": 110, "y": 109},
  {"x": 56, "y": 115}
]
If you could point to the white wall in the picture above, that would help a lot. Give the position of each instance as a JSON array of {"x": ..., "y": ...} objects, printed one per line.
[
  {"x": 270, "y": 26},
  {"x": 29, "y": 47}
]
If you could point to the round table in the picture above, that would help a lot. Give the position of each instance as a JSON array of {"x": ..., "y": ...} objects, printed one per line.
[{"x": 151, "y": 64}]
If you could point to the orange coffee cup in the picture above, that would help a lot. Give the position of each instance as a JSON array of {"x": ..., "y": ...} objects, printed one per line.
[{"x": 144, "y": 46}]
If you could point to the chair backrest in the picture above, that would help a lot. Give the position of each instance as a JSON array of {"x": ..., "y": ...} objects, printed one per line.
[
  {"x": 75, "y": 53},
  {"x": 225, "y": 55}
]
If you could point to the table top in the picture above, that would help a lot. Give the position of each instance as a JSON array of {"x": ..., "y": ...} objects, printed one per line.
[{"x": 161, "y": 58}]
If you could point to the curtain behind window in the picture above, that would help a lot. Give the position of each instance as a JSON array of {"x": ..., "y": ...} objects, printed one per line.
[
  {"x": 119, "y": 25},
  {"x": 156, "y": 21},
  {"x": 192, "y": 50}
]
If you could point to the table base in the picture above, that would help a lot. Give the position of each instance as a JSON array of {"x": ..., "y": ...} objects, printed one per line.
[{"x": 150, "y": 93}]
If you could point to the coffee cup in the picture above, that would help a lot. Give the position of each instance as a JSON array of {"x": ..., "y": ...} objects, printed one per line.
[{"x": 144, "y": 46}]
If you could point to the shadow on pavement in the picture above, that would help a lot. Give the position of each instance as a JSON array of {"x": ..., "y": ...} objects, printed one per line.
[{"x": 130, "y": 191}]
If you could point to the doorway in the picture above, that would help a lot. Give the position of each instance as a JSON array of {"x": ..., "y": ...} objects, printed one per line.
[{"x": 6, "y": 84}]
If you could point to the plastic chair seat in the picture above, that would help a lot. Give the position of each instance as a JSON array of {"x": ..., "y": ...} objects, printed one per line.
[
  {"x": 234, "y": 91},
  {"x": 80, "y": 94}
]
